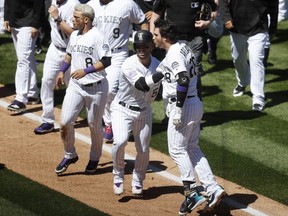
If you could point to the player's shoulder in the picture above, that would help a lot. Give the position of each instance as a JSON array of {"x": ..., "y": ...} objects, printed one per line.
[
  {"x": 93, "y": 3},
  {"x": 131, "y": 60}
]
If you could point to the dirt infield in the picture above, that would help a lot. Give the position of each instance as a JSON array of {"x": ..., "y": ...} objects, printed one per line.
[{"x": 21, "y": 149}]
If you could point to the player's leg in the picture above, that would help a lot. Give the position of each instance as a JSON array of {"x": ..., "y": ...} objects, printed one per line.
[
  {"x": 72, "y": 105},
  {"x": 256, "y": 55},
  {"x": 24, "y": 46},
  {"x": 95, "y": 100},
  {"x": 178, "y": 144},
  {"x": 122, "y": 123},
  {"x": 239, "y": 51},
  {"x": 142, "y": 128},
  {"x": 199, "y": 161},
  {"x": 51, "y": 68}
]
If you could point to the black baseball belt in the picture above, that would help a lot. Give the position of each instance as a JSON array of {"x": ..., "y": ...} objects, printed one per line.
[
  {"x": 172, "y": 100},
  {"x": 92, "y": 84},
  {"x": 134, "y": 108},
  {"x": 116, "y": 49}
]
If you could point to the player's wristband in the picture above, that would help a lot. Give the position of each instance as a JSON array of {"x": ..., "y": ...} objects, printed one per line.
[
  {"x": 90, "y": 69},
  {"x": 64, "y": 67},
  {"x": 58, "y": 19}
]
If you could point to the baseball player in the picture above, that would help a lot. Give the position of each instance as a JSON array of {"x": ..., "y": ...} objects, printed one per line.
[
  {"x": 88, "y": 53},
  {"x": 23, "y": 19},
  {"x": 131, "y": 110},
  {"x": 114, "y": 18},
  {"x": 249, "y": 29},
  {"x": 61, "y": 13},
  {"x": 185, "y": 111}
]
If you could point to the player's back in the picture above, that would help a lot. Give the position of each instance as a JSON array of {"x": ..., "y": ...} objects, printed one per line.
[{"x": 115, "y": 18}]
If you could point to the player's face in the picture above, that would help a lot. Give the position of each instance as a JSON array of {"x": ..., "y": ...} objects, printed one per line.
[
  {"x": 78, "y": 20},
  {"x": 158, "y": 40},
  {"x": 144, "y": 50}
]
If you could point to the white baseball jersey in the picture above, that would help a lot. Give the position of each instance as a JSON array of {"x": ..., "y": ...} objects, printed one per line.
[
  {"x": 58, "y": 37},
  {"x": 131, "y": 111},
  {"x": 90, "y": 91},
  {"x": 183, "y": 140},
  {"x": 179, "y": 58},
  {"x": 132, "y": 70},
  {"x": 114, "y": 19},
  {"x": 86, "y": 49}
]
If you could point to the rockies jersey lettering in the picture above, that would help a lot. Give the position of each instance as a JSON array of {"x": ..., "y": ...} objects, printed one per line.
[
  {"x": 86, "y": 50},
  {"x": 108, "y": 19},
  {"x": 82, "y": 49}
]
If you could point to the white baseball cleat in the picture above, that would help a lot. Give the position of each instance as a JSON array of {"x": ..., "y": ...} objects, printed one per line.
[
  {"x": 137, "y": 190},
  {"x": 118, "y": 188}
]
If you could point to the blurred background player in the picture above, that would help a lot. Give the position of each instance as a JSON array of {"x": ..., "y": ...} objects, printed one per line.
[
  {"x": 23, "y": 19},
  {"x": 249, "y": 29},
  {"x": 60, "y": 17},
  {"x": 131, "y": 111},
  {"x": 114, "y": 19}
]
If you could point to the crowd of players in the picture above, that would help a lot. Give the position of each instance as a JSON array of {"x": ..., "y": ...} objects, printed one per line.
[{"x": 117, "y": 89}]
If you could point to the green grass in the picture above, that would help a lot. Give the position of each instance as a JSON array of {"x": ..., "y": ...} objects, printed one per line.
[
  {"x": 21, "y": 196},
  {"x": 242, "y": 146}
]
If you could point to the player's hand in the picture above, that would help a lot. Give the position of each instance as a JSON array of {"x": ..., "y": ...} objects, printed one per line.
[
  {"x": 229, "y": 25},
  {"x": 34, "y": 32},
  {"x": 148, "y": 15},
  {"x": 7, "y": 26},
  {"x": 177, "y": 117},
  {"x": 202, "y": 24},
  {"x": 78, "y": 74},
  {"x": 53, "y": 11},
  {"x": 60, "y": 80}
]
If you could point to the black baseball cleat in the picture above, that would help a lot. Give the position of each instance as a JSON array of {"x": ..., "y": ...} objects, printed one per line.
[
  {"x": 238, "y": 91},
  {"x": 91, "y": 167},
  {"x": 190, "y": 203},
  {"x": 62, "y": 167},
  {"x": 258, "y": 107},
  {"x": 17, "y": 107}
]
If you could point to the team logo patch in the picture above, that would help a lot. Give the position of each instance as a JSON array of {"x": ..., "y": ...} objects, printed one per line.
[
  {"x": 140, "y": 36},
  {"x": 175, "y": 65},
  {"x": 105, "y": 47}
]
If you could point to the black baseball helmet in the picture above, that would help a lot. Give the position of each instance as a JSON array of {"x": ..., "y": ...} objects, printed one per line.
[{"x": 143, "y": 37}]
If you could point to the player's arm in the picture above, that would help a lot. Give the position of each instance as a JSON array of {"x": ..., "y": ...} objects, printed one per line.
[
  {"x": 155, "y": 16},
  {"x": 182, "y": 88},
  {"x": 144, "y": 25},
  {"x": 181, "y": 93},
  {"x": 144, "y": 83},
  {"x": 100, "y": 65},
  {"x": 64, "y": 67},
  {"x": 64, "y": 27}
]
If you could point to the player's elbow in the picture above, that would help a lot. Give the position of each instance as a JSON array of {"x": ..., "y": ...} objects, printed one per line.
[{"x": 106, "y": 61}]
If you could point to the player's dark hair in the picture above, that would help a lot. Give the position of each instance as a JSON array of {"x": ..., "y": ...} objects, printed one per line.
[{"x": 167, "y": 29}]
